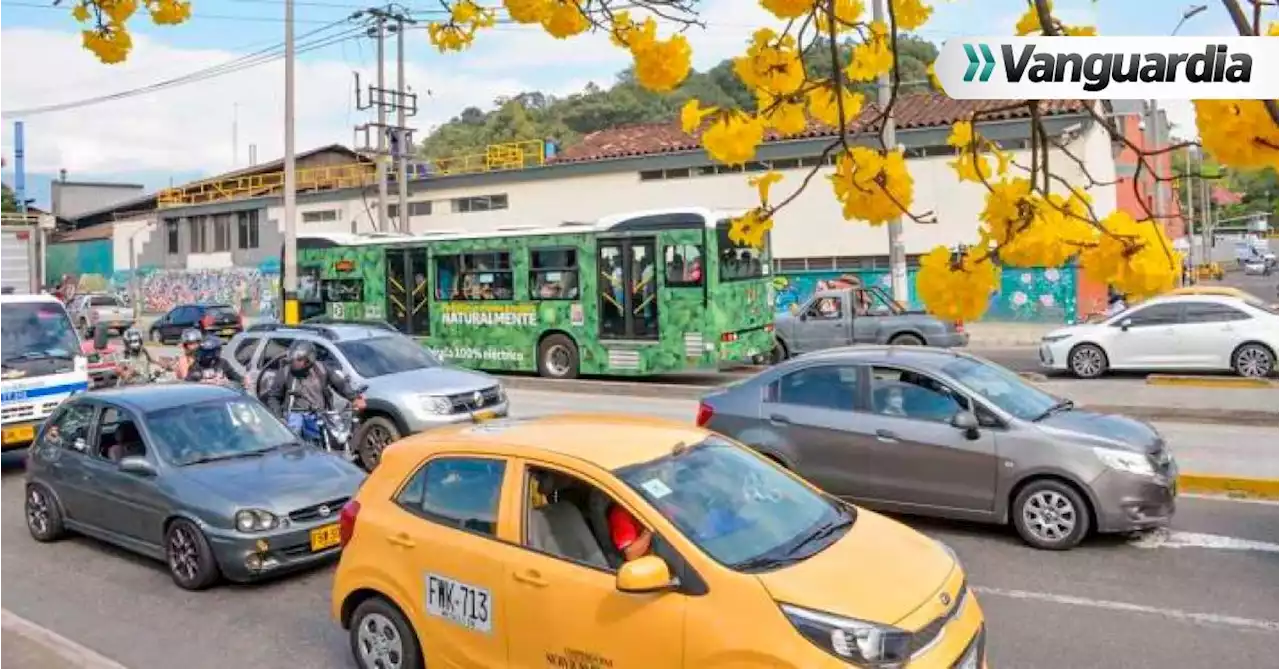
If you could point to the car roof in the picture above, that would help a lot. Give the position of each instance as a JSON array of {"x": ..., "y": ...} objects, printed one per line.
[
  {"x": 920, "y": 356},
  {"x": 609, "y": 441},
  {"x": 159, "y": 396},
  {"x": 29, "y": 298},
  {"x": 333, "y": 332}
]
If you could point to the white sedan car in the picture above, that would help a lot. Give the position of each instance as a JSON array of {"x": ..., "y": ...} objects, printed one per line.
[{"x": 1171, "y": 333}]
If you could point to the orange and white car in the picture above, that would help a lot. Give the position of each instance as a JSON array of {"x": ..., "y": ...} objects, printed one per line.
[{"x": 489, "y": 546}]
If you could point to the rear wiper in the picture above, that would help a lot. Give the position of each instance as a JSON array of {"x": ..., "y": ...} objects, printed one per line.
[{"x": 1062, "y": 405}]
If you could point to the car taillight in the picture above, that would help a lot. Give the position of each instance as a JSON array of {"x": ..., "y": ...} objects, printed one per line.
[
  {"x": 705, "y": 412},
  {"x": 959, "y": 326},
  {"x": 207, "y": 321},
  {"x": 241, "y": 321},
  {"x": 729, "y": 337},
  {"x": 768, "y": 328},
  {"x": 347, "y": 522}
]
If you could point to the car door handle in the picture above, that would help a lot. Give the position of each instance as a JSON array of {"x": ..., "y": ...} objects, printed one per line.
[
  {"x": 779, "y": 419},
  {"x": 530, "y": 577},
  {"x": 887, "y": 436},
  {"x": 402, "y": 540}
]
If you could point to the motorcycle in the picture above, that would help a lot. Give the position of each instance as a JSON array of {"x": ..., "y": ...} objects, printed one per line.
[{"x": 330, "y": 431}]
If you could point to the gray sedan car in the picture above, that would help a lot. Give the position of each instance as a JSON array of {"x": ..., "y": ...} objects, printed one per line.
[
  {"x": 944, "y": 433},
  {"x": 199, "y": 476}
]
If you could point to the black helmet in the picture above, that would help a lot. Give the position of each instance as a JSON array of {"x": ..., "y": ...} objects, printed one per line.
[
  {"x": 302, "y": 355},
  {"x": 191, "y": 336},
  {"x": 209, "y": 352},
  {"x": 132, "y": 340}
]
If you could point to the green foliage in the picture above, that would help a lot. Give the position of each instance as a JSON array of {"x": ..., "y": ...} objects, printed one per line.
[
  {"x": 10, "y": 202},
  {"x": 534, "y": 115}
]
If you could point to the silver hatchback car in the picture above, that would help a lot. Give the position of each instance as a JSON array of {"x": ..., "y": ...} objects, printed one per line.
[{"x": 943, "y": 433}]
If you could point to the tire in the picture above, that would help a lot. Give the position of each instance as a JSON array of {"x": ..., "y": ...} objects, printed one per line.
[
  {"x": 906, "y": 339},
  {"x": 189, "y": 557},
  {"x": 44, "y": 516},
  {"x": 375, "y": 434},
  {"x": 1050, "y": 515},
  {"x": 1253, "y": 361},
  {"x": 381, "y": 637},
  {"x": 1087, "y": 361},
  {"x": 558, "y": 358},
  {"x": 779, "y": 354}
]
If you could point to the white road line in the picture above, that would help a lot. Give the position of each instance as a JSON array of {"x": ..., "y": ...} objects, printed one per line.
[
  {"x": 75, "y": 654},
  {"x": 1174, "y": 539},
  {"x": 1173, "y": 614}
]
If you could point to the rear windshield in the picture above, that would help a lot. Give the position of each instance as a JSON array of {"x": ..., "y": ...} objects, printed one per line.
[
  {"x": 103, "y": 301},
  {"x": 222, "y": 312}
]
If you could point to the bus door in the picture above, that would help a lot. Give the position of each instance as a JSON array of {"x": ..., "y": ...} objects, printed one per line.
[
  {"x": 407, "y": 291},
  {"x": 628, "y": 288}
]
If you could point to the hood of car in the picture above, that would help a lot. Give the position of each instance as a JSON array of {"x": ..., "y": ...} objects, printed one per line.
[
  {"x": 280, "y": 481},
  {"x": 1100, "y": 429},
  {"x": 879, "y": 571},
  {"x": 1072, "y": 331},
  {"x": 443, "y": 380}
]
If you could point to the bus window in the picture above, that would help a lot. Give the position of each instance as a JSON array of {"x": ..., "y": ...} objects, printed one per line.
[
  {"x": 684, "y": 264},
  {"x": 343, "y": 290},
  {"x": 309, "y": 284},
  {"x": 553, "y": 274},
  {"x": 474, "y": 276},
  {"x": 737, "y": 261}
]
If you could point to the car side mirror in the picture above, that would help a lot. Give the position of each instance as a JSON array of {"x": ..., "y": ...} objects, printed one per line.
[
  {"x": 136, "y": 465},
  {"x": 1126, "y": 324},
  {"x": 645, "y": 574},
  {"x": 966, "y": 422}
]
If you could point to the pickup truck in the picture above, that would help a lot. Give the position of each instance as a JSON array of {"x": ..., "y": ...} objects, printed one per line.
[
  {"x": 87, "y": 311},
  {"x": 842, "y": 317}
]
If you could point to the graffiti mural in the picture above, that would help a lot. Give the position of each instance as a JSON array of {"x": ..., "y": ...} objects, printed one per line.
[
  {"x": 243, "y": 288},
  {"x": 1035, "y": 295}
]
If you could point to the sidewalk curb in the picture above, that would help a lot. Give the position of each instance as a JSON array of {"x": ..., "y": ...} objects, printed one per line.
[
  {"x": 1208, "y": 381},
  {"x": 72, "y": 652},
  {"x": 679, "y": 391},
  {"x": 1231, "y": 486}
]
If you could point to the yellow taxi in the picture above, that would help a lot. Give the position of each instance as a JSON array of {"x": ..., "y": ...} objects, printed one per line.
[
  {"x": 506, "y": 544},
  {"x": 1221, "y": 291}
]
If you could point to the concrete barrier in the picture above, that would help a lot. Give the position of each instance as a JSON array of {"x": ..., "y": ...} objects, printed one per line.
[
  {"x": 1231, "y": 486},
  {"x": 1208, "y": 381}
]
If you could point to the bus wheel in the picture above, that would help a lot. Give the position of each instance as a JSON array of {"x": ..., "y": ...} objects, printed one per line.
[{"x": 558, "y": 358}]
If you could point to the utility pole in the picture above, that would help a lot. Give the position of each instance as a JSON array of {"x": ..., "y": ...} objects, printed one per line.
[
  {"x": 290, "y": 264},
  {"x": 897, "y": 254},
  {"x": 1189, "y": 214},
  {"x": 1155, "y": 142},
  {"x": 235, "y": 135},
  {"x": 405, "y": 104}
]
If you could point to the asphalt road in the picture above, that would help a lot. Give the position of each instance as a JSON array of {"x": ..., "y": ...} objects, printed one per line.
[{"x": 1188, "y": 598}]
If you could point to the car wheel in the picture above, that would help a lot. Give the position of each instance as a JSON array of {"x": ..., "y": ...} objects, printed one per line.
[
  {"x": 1050, "y": 515},
  {"x": 1253, "y": 360},
  {"x": 779, "y": 353},
  {"x": 44, "y": 518},
  {"x": 381, "y": 638},
  {"x": 190, "y": 559},
  {"x": 376, "y": 433},
  {"x": 1087, "y": 361},
  {"x": 157, "y": 337},
  {"x": 906, "y": 340},
  {"x": 558, "y": 358}
]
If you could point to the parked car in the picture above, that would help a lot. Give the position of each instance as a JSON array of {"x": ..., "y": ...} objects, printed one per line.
[
  {"x": 1180, "y": 332},
  {"x": 835, "y": 318},
  {"x": 408, "y": 389},
  {"x": 199, "y": 476},
  {"x": 460, "y": 547},
  {"x": 945, "y": 433},
  {"x": 216, "y": 319},
  {"x": 93, "y": 309}
]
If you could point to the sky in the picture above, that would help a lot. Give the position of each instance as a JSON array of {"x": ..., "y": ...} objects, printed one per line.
[{"x": 185, "y": 132}]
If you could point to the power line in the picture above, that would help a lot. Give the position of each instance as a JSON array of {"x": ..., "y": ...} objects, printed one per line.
[{"x": 207, "y": 17}]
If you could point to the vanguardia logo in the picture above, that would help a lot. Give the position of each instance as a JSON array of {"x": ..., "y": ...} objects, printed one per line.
[
  {"x": 1098, "y": 70},
  {"x": 988, "y": 62}
]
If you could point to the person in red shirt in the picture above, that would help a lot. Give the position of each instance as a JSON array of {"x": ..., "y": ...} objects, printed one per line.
[{"x": 629, "y": 536}]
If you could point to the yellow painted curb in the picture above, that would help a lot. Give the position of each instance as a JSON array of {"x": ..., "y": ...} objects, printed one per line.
[
  {"x": 1234, "y": 486},
  {"x": 1209, "y": 381}
]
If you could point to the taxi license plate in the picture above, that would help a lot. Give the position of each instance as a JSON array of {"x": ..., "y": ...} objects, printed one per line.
[
  {"x": 485, "y": 415},
  {"x": 325, "y": 537},
  {"x": 459, "y": 603},
  {"x": 20, "y": 434},
  {"x": 229, "y": 331}
]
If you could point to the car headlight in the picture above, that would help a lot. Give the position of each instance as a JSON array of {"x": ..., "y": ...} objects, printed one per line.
[
  {"x": 1049, "y": 339},
  {"x": 1125, "y": 461},
  {"x": 858, "y": 642},
  {"x": 435, "y": 404},
  {"x": 255, "y": 520}
]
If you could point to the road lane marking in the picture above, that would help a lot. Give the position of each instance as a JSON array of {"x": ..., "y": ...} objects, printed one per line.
[
  {"x": 1173, "y": 539},
  {"x": 75, "y": 654},
  {"x": 1127, "y": 607}
]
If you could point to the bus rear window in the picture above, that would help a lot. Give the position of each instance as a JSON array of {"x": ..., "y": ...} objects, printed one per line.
[{"x": 739, "y": 261}]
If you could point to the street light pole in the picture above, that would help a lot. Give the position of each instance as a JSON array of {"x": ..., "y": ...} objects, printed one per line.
[
  {"x": 290, "y": 259},
  {"x": 897, "y": 254}
]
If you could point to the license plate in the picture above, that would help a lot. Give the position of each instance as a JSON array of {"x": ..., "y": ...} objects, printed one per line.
[
  {"x": 20, "y": 434},
  {"x": 325, "y": 537},
  {"x": 485, "y": 415},
  {"x": 460, "y": 603},
  {"x": 229, "y": 331}
]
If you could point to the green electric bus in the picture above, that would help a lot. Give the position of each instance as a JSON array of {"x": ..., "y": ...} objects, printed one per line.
[{"x": 637, "y": 294}]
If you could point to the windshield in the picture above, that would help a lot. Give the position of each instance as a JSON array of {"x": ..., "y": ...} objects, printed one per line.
[
  {"x": 378, "y": 356},
  {"x": 739, "y": 261},
  {"x": 216, "y": 430},
  {"x": 731, "y": 504},
  {"x": 32, "y": 330},
  {"x": 1001, "y": 387}
]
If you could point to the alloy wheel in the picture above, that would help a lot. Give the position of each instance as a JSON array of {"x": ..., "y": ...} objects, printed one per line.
[
  {"x": 37, "y": 511},
  {"x": 1253, "y": 361},
  {"x": 1086, "y": 362},
  {"x": 1049, "y": 516},
  {"x": 558, "y": 360},
  {"x": 376, "y": 439},
  {"x": 379, "y": 643},
  {"x": 184, "y": 558}
]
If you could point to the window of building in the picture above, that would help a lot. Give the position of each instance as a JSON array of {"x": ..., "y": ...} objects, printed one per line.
[
  {"x": 322, "y": 216},
  {"x": 737, "y": 261},
  {"x": 462, "y": 493},
  {"x": 474, "y": 276},
  {"x": 464, "y": 205},
  {"x": 222, "y": 232},
  {"x": 171, "y": 235},
  {"x": 247, "y": 224},
  {"x": 196, "y": 226},
  {"x": 419, "y": 208},
  {"x": 684, "y": 264},
  {"x": 553, "y": 274}
]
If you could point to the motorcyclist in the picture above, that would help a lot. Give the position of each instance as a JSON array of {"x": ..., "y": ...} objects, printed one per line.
[
  {"x": 210, "y": 367},
  {"x": 305, "y": 387},
  {"x": 136, "y": 365},
  {"x": 191, "y": 339}
]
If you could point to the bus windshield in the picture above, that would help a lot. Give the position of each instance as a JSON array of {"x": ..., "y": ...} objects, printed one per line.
[
  {"x": 35, "y": 331},
  {"x": 739, "y": 261}
]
